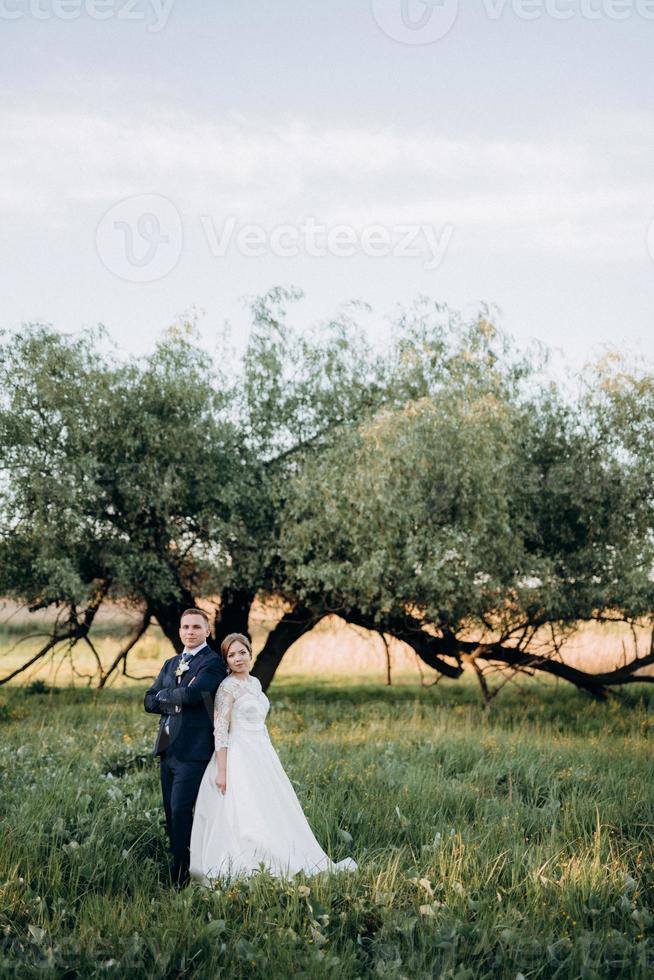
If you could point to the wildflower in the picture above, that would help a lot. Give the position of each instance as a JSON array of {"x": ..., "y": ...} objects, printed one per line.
[
  {"x": 37, "y": 934},
  {"x": 629, "y": 883}
]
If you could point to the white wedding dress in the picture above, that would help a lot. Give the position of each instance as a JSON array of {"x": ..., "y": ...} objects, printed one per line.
[{"x": 259, "y": 820}]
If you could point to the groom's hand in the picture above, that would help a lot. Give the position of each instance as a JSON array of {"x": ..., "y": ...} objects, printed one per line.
[{"x": 152, "y": 702}]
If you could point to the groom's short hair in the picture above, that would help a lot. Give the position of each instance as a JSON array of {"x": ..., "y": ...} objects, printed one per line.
[{"x": 195, "y": 612}]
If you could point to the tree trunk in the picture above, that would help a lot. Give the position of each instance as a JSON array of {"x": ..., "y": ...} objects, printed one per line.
[
  {"x": 168, "y": 615},
  {"x": 290, "y": 628},
  {"x": 235, "y": 605}
]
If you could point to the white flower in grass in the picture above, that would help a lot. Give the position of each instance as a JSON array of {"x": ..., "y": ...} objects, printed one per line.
[
  {"x": 404, "y": 821},
  {"x": 37, "y": 934},
  {"x": 317, "y": 936}
]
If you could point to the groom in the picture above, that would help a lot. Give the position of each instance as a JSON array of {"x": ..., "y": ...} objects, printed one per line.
[{"x": 183, "y": 695}]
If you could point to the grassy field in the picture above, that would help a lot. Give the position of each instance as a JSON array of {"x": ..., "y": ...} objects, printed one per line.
[{"x": 515, "y": 842}]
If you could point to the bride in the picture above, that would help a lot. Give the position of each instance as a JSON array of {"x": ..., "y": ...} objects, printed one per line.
[{"x": 247, "y": 813}]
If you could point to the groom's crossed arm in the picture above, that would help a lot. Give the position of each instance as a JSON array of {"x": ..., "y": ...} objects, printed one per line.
[
  {"x": 205, "y": 683},
  {"x": 151, "y": 702}
]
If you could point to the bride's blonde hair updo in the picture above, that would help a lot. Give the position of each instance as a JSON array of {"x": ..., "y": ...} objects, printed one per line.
[{"x": 232, "y": 638}]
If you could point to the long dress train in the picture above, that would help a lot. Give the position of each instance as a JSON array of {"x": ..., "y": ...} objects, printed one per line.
[{"x": 259, "y": 819}]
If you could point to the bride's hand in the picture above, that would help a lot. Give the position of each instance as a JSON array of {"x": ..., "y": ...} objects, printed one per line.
[{"x": 221, "y": 781}]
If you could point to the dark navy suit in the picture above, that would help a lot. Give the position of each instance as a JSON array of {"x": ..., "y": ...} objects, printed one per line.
[{"x": 184, "y": 742}]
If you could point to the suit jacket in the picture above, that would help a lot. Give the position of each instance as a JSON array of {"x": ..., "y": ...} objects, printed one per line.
[{"x": 190, "y": 735}]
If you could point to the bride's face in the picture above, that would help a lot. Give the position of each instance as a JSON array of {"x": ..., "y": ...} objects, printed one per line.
[{"x": 238, "y": 658}]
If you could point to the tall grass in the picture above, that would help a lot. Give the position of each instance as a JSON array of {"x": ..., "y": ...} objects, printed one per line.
[{"x": 489, "y": 845}]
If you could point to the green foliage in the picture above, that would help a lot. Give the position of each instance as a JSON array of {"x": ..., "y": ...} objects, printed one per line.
[
  {"x": 404, "y": 512},
  {"x": 488, "y": 845},
  {"x": 158, "y": 478},
  {"x": 295, "y": 392},
  {"x": 484, "y": 501},
  {"x": 119, "y": 476}
]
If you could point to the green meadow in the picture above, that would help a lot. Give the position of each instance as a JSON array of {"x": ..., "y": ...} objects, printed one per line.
[{"x": 515, "y": 842}]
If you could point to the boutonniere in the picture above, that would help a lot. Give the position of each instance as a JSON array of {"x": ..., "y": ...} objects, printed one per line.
[{"x": 182, "y": 668}]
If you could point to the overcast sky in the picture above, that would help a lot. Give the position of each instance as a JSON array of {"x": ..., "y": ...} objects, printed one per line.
[{"x": 188, "y": 153}]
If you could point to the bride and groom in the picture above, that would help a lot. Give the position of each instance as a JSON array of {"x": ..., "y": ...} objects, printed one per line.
[{"x": 230, "y": 807}]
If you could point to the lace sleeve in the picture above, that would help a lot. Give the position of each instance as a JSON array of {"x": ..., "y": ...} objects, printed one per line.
[{"x": 222, "y": 713}]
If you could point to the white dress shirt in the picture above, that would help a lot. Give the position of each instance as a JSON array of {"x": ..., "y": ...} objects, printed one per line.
[{"x": 192, "y": 653}]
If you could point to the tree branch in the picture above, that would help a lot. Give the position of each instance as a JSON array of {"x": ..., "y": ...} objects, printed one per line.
[
  {"x": 122, "y": 655},
  {"x": 52, "y": 642},
  {"x": 76, "y": 630}
]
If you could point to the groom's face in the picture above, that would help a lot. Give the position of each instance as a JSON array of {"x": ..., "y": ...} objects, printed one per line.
[{"x": 193, "y": 631}]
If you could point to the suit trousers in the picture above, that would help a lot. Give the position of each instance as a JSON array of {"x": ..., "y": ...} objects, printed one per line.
[{"x": 180, "y": 782}]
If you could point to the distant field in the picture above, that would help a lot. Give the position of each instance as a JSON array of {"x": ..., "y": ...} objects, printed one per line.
[{"x": 332, "y": 650}]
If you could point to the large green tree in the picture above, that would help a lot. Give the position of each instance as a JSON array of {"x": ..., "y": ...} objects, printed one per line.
[{"x": 437, "y": 491}]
